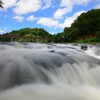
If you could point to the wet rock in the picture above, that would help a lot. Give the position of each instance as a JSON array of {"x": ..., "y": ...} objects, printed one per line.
[
  {"x": 84, "y": 47},
  {"x": 52, "y": 51}
]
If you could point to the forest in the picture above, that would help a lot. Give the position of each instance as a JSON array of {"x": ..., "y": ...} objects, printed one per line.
[{"x": 85, "y": 29}]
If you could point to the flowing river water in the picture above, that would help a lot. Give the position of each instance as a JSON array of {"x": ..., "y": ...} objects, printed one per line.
[{"x": 33, "y": 71}]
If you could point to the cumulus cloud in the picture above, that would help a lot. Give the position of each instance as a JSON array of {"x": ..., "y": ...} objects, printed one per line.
[
  {"x": 61, "y": 11},
  {"x": 63, "y": 7},
  {"x": 4, "y": 30},
  {"x": 48, "y": 22},
  {"x": 19, "y": 18},
  {"x": 69, "y": 20},
  {"x": 30, "y": 18},
  {"x": 82, "y": 2},
  {"x": 97, "y": 4},
  {"x": 52, "y": 33},
  {"x": 8, "y": 3},
  {"x": 27, "y": 6},
  {"x": 66, "y": 6},
  {"x": 67, "y": 3},
  {"x": 21, "y": 7},
  {"x": 46, "y": 4}
]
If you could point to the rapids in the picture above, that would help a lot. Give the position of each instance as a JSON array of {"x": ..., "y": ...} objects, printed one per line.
[{"x": 34, "y": 71}]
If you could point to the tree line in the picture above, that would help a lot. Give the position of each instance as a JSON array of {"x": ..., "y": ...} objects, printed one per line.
[
  {"x": 41, "y": 35},
  {"x": 86, "y": 28}
]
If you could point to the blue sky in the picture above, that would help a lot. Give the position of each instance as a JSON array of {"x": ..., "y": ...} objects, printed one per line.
[{"x": 52, "y": 15}]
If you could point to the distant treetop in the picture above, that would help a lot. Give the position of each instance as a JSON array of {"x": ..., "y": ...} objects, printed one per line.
[{"x": 1, "y": 4}]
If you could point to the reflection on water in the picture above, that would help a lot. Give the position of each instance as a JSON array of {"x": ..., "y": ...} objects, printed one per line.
[{"x": 33, "y": 71}]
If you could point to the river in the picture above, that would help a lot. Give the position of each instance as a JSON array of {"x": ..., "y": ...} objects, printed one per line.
[{"x": 34, "y": 71}]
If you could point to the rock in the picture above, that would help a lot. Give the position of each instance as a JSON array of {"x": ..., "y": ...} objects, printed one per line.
[{"x": 84, "y": 47}]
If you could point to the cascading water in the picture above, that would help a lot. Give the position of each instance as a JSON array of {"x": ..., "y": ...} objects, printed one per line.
[{"x": 49, "y": 72}]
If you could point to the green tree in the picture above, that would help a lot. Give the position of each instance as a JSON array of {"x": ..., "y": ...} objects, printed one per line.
[
  {"x": 41, "y": 34},
  {"x": 88, "y": 23},
  {"x": 1, "y": 4},
  {"x": 86, "y": 26},
  {"x": 98, "y": 34}
]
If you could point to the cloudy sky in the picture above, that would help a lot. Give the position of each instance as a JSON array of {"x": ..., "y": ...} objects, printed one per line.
[{"x": 52, "y": 15}]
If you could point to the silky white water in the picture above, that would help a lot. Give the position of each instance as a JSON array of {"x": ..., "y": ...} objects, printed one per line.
[{"x": 33, "y": 71}]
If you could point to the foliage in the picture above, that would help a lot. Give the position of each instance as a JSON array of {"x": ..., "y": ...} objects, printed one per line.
[
  {"x": 1, "y": 4},
  {"x": 86, "y": 28},
  {"x": 88, "y": 23},
  {"x": 39, "y": 33},
  {"x": 98, "y": 34}
]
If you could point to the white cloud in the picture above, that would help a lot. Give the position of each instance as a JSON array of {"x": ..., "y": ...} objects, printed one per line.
[
  {"x": 19, "y": 18},
  {"x": 82, "y": 2},
  {"x": 3, "y": 30},
  {"x": 66, "y": 6},
  {"x": 31, "y": 18},
  {"x": 48, "y": 22},
  {"x": 46, "y": 3},
  {"x": 52, "y": 33},
  {"x": 97, "y": 5},
  {"x": 55, "y": 23},
  {"x": 27, "y": 6},
  {"x": 21, "y": 7},
  {"x": 69, "y": 20},
  {"x": 61, "y": 11},
  {"x": 8, "y": 3},
  {"x": 66, "y": 3}
]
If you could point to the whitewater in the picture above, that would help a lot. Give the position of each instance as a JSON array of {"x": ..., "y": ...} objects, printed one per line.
[{"x": 35, "y": 71}]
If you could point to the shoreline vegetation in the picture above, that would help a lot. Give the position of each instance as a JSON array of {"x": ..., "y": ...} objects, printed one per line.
[{"x": 85, "y": 29}]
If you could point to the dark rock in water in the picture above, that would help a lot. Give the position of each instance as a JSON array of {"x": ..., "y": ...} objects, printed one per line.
[
  {"x": 52, "y": 51},
  {"x": 84, "y": 47}
]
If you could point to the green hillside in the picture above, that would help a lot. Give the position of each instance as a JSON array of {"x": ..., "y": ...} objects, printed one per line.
[
  {"x": 39, "y": 33},
  {"x": 86, "y": 28}
]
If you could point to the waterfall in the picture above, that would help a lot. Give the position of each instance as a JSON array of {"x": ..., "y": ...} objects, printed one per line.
[{"x": 48, "y": 72}]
